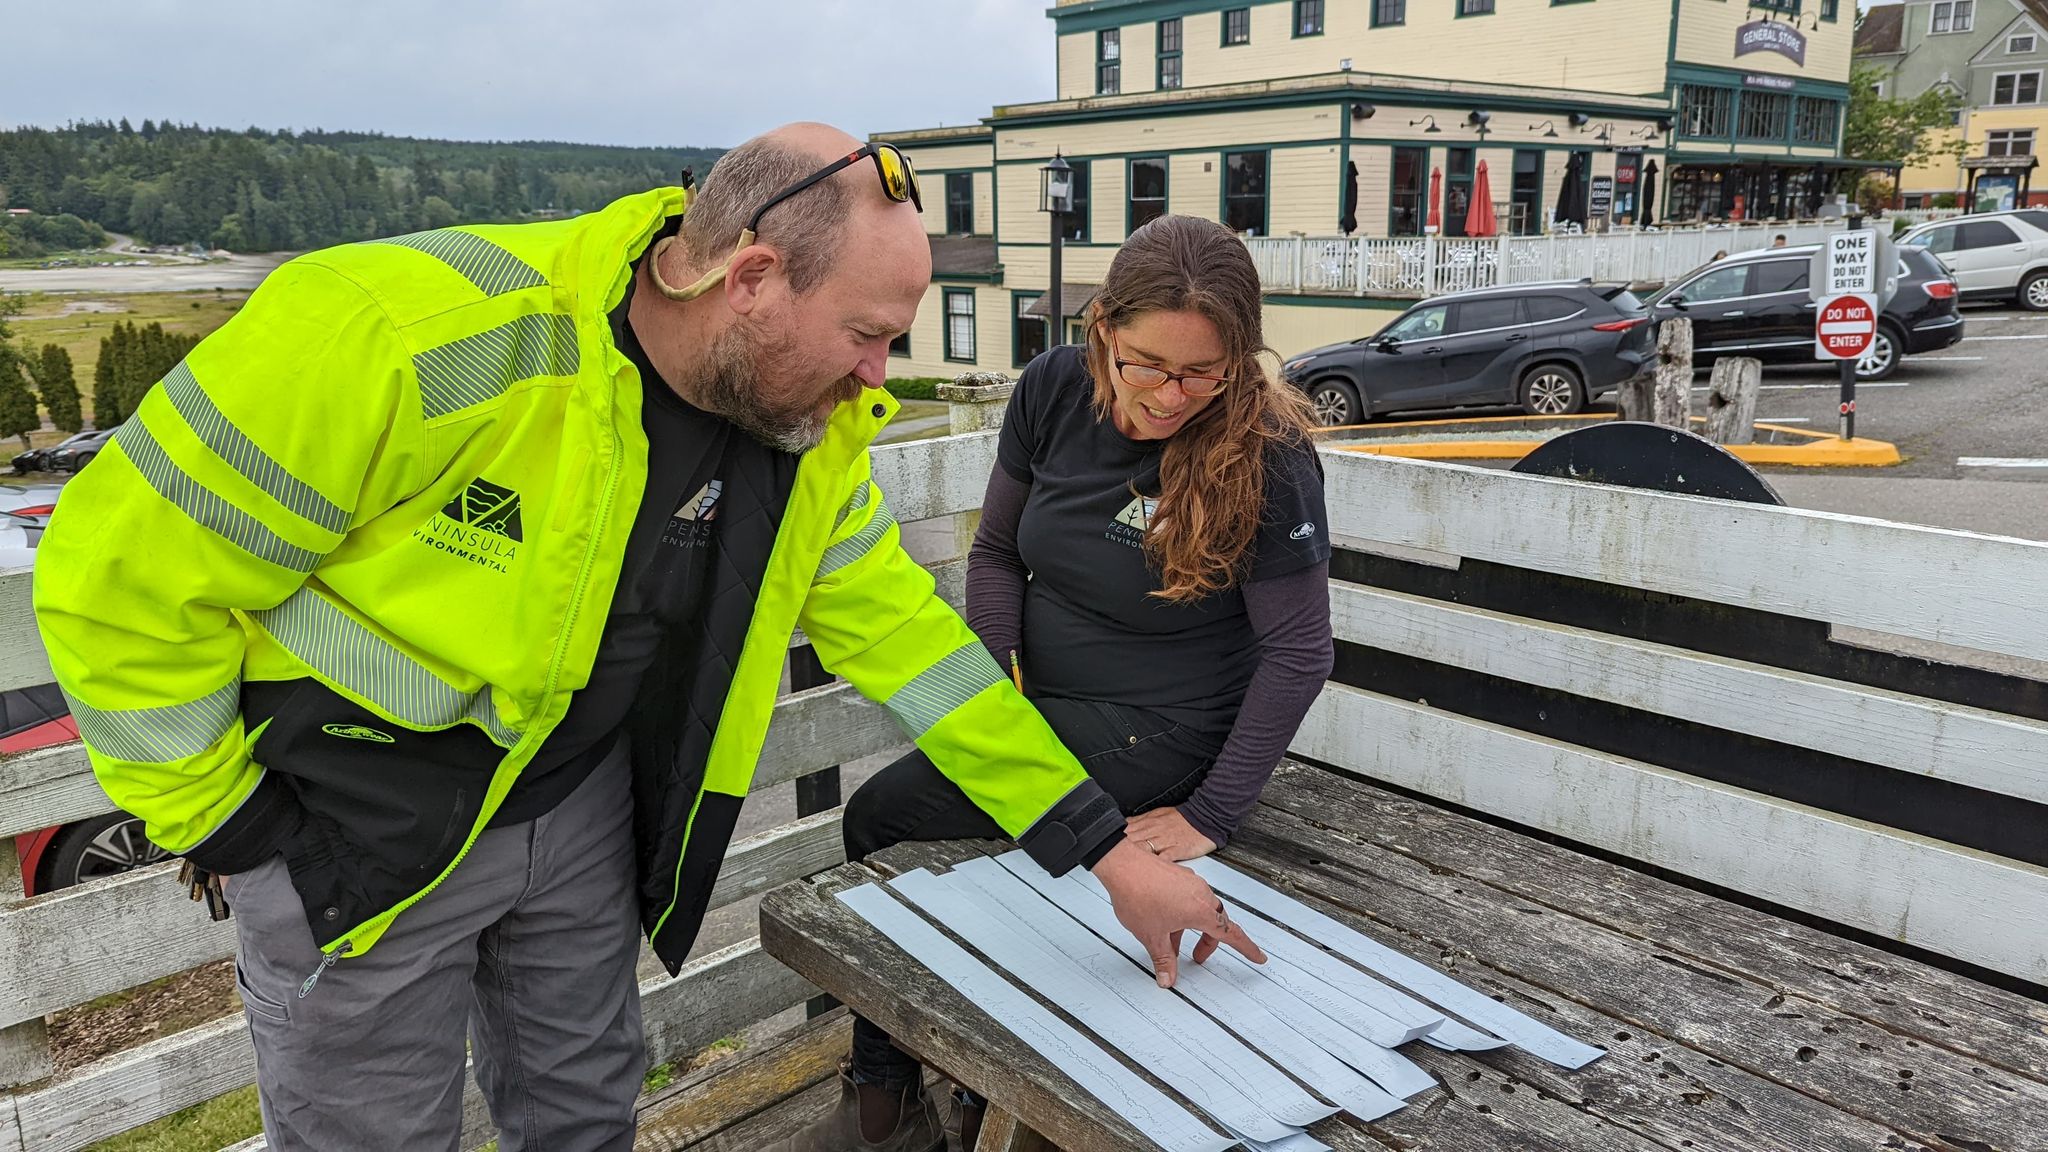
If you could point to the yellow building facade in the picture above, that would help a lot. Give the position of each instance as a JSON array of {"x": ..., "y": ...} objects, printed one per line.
[{"x": 1324, "y": 118}]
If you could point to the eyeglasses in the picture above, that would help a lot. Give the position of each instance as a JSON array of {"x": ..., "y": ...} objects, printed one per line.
[
  {"x": 1147, "y": 377},
  {"x": 899, "y": 184}
]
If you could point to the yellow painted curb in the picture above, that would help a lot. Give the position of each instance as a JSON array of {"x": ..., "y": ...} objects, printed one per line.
[{"x": 1820, "y": 450}]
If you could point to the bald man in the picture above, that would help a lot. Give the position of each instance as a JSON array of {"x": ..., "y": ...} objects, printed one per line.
[{"x": 434, "y": 610}]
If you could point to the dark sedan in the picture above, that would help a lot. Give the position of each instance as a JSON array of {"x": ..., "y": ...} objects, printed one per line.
[
  {"x": 1549, "y": 348},
  {"x": 1757, "y": 304}
]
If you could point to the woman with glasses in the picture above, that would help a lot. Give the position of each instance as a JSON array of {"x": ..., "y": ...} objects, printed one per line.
[{"x": 1153, "y": 567}]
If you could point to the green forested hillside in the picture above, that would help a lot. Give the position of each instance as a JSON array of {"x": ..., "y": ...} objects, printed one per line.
[{"x": 256, "y": 190}]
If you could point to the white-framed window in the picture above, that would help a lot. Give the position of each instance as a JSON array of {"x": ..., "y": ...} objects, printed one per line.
[
  {"x": 2020, "y": 44},
  {"x": 2010, "y": 142},
  {"x": 2016, "y": 88},
  {"x": 1952, "y": 16}
]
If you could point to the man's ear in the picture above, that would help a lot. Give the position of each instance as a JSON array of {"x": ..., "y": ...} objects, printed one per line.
[{"x": 749, "y": 276}]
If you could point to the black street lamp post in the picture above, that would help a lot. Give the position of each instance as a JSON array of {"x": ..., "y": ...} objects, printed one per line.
[{"x": 1056, "y": 198}]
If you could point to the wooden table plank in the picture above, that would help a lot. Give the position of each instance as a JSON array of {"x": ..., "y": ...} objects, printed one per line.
[
  {"x": 1841, "y": 1060},
  {"x": 1998, "y": 1029},
  {"x": 805, "y": 927},
  {"x": 1338, "y": 1133}
]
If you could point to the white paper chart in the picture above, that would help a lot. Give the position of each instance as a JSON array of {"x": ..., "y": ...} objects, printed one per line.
[{"x": 1327, "y": 1010}]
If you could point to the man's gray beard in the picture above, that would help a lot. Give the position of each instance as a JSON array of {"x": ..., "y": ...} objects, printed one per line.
[{"x": 731, "y": 387}]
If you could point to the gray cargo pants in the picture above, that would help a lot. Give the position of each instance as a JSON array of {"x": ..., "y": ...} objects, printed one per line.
[{"x": 530, "y": 944}]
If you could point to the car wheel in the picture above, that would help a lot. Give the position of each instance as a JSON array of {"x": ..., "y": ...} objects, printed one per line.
[
  {"x": 84, "y": 458},
  {"x": 1336, "y": 402},
  {"x": 102, "y": 846},
  {"x": 1883, "y": 357},
  {"x": 2033, "y": 294},
  {"x": 1552, "y": 390}
]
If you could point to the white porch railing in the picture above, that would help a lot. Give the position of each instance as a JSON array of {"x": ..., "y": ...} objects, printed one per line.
[
  {"x": 1416, "y": 266},
  {"x": 1914, "y": 216}
]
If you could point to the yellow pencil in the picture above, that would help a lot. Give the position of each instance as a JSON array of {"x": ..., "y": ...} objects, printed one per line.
[{"x": 1016, "y": 671}]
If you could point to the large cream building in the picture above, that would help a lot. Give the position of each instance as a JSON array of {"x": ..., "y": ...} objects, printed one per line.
[{"x": 1267, "y": 115}]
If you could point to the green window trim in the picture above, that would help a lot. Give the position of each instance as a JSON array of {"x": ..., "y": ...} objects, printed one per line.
[
  {"x": 1019, "y": 300},
  {"x": 1265, "y": 193},
  {"x": 1224, "y": 27},
  {"x": 1320, "y": 12},
  {"x": 952, "y": 353},
  {"x": 1080, "y": 222},
  {"x": 1389, "y": 13},
  {"x": 1475, "y": 8},
  {"x": 1168, "y": 39},
  {"x": 1829, "y": 9},
  {"x": 900, "y": 346},
  {"x": 1131, "y": 184}
]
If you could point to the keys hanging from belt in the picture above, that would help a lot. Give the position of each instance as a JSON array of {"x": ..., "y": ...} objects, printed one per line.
[{"x": 204, "y": 885}]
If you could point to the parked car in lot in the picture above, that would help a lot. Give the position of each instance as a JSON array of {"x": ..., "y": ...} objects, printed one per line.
[
  {"x": 1548, "y": 347},
  {"x": 38, "y": 459},
  {"x": 76, "y": 452},
  {"x": 1757, "y": 304},
  {"x": 1994, "y": 255}
]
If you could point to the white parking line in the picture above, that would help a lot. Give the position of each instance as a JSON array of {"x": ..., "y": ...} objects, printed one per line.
[
  {"x": 1999, "y": 462},
  {"x": 2030, "y": 336},
  {"x": 1918, "y": 359}
]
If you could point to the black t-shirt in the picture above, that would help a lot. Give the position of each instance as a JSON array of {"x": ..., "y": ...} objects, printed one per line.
[
  {"x": 664, "y": 581},
  {"x": 1091, "y": 631}
]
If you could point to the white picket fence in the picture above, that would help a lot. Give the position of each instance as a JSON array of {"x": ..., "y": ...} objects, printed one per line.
[{"x": 1417, "y": 266}]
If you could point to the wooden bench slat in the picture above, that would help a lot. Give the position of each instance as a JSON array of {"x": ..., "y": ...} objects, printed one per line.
[
  {"x": 1979, "y": 908},
  {"x": 23, "y": 663},
  {"x": 926, "y": 479},
  {"x": 1959, "y": 588},
  {"x": 1850, "y": 1064},
  {"x": 48, "y": 786},
  {"x": 2001, "y": 1030},
  {"x": 714, "y": 996},
  {"x": 1969, "y": 746},
  {"x": 724, "y": 1093},
  {"x": 56, "y": 950}
]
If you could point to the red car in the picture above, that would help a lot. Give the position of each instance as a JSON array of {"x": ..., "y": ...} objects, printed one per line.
[{"x": 69, "y": 853}]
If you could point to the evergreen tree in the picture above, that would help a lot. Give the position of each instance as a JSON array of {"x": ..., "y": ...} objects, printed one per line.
[
  {"x": 17, "y": 404},
  {"x": 106, "y": 379},
  {"x": 58, "y": 387}
]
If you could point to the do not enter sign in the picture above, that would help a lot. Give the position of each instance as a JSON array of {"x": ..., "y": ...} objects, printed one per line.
[{"x": 1845, "y": 327}]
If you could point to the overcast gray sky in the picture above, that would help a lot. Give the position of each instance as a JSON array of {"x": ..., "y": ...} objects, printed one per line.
[{"x": 683, "y": 72}]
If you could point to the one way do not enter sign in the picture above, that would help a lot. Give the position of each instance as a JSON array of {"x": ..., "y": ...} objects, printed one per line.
[{"x": 1845, "y": 327}]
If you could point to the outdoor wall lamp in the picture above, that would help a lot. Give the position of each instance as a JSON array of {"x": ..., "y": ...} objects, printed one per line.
[{"x": 1430, "y": 120}]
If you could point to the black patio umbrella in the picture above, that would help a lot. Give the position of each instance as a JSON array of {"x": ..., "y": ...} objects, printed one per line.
[
  {"x": 1648, "y": 214},
  {"x": 1571, "y": 197},
  {"x": 1348, "y": 222}
]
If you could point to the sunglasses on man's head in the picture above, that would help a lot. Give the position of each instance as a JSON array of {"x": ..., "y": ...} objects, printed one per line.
[{"x": 899, "y": 184}]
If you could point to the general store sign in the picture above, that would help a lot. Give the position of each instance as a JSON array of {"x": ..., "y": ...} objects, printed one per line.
[{"x": 1771, "y": 36}]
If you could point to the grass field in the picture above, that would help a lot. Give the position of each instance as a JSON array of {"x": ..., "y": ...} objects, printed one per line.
[{"x": 78, "y": 322}]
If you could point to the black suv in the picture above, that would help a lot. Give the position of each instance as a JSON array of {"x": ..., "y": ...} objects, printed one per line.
[
  {"x": 1547, "y": 347},
  {"x": 1756, "y": 304}
]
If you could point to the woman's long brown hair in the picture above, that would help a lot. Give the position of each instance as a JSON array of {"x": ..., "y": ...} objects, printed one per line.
[{"x": 1212, "y": 473}]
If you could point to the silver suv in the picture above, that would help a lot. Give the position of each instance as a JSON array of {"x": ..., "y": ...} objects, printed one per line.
[{"x": 1994, "y": 255}]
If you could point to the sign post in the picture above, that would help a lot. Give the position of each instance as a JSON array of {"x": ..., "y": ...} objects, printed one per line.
[{"x": 1852, "y": 278}]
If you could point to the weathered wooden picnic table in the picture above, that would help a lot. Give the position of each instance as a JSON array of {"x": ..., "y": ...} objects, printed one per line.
[{"x": 1727, "y": 1029}]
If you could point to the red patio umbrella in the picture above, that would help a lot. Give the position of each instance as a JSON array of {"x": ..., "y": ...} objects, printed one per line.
[
  {"x": 1479, "y": 218},
  {"x": 1434, "y": 222}
]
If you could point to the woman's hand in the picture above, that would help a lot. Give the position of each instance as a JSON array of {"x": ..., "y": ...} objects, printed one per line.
[{"x": 1166, "y": 833}]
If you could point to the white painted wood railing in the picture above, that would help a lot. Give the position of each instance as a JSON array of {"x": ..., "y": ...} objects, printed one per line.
[
  {"x": 1925, "y": 585},
  {"x": 1416, "y": 266}
]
